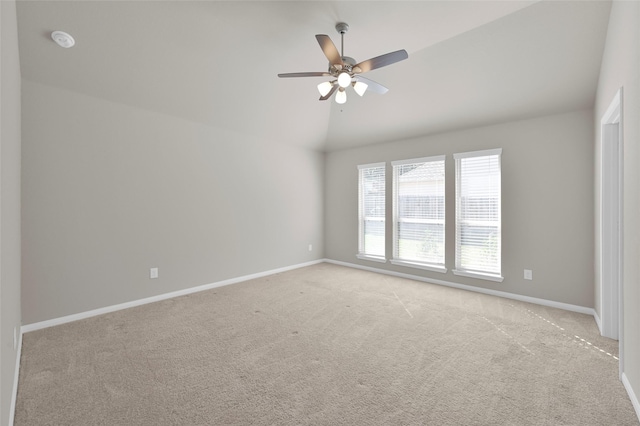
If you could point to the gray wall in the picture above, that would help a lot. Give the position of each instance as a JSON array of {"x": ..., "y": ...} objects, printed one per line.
[
  {"x": 110, "y": 191},
  {"x": 621, "y": 68},
  {"x": 9, "y": 203},
  {"x": 547, "y": 210}
]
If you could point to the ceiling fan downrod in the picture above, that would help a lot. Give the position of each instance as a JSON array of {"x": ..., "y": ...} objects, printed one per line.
[{"x": 342, "y": 28}]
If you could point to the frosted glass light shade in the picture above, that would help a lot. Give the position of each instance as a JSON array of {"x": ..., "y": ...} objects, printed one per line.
[
  {"x": 341, "y": 96},
  {"x": 360, "y": 87},
  {"x": 324, "y": 88},
  {"x": 344, "y": 79}
]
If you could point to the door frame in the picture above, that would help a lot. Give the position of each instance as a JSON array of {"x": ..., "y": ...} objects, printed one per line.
[{"x": 611, "y": 223}]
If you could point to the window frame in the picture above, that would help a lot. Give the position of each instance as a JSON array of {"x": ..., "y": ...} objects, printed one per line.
[
  {"x": 413, "y": 263},
  {"x": 362, "y": 254},
  {"x": 459, "y": 269}
]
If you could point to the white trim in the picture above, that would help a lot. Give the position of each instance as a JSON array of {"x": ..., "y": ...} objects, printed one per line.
[
  {"x": 612, "y": 213},
  {"x": 478, "y": 275},
  {"x": 598, "y": 320},
  {"x": 534, "y": 300},
  {"x": 614, "y": 111},
  {"x": 372, "y": 165},
  {"x": 419, "y": 160},
  {"x": 486, "y": 152},
  {"x": 632, "y": 394},
  {"x": 372, "y": 258},
  {"x": 418, "y": 265},
  {"x": 16, "y": 377},
  {"x": 610, "y": 227},
  {"x": 107, "y": 309}
]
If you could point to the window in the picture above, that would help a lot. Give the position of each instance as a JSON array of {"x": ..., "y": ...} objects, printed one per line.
[
  {"x": 478, "y": 222},
  {"x": 419, "y": 213},
  {"x": 371, "y": 212}
]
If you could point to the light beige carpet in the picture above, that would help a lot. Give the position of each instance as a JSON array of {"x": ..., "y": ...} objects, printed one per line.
[{"x": 324, "y": 345}]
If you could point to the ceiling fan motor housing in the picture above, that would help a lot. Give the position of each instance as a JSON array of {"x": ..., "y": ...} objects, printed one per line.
[{"x": 348, "y": 62}]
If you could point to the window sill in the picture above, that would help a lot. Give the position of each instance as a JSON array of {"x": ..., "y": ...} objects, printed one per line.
[
  {"x": 427, "y": 267},
  {"x": 380, "y": 259},
  {"x": 488, "y": 277}
]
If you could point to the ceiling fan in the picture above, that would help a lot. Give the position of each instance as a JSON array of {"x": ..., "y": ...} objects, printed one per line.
[{"x": 345, "y": 71}]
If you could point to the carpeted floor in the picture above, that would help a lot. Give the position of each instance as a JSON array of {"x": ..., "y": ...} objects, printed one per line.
[{"x": 324, "y": 345}]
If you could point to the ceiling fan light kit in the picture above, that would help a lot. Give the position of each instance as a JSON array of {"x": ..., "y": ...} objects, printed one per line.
[
  {"x": 344, "y": 79},
  {"x": 345, "y": 71},
  {"x": 324, "y": 88},
  {"x": 360, "y": 87}
]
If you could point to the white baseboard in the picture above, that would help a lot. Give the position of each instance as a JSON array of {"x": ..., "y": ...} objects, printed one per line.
[
  {"x": 632, "y": 394},
  {"x": 598, "y": 321},
  {"x": 534, "y": 300},
  {"x": 88, "y": 314},
  {"x": 107, "y": 309},
  {"x": 100, "y": 311},
  {"x": 16, "y": 377}
]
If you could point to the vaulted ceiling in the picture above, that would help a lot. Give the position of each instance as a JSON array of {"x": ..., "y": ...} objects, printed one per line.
[{"x": 470, "y": 63}]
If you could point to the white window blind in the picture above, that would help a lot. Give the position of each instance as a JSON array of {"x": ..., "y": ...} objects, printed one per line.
[
  {"x": 478, "y": 214},
  {"x": 371, "y": 211},
  {"x": 419, "y": 212}
]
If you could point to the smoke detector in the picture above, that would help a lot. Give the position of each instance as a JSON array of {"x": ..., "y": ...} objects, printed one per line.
[{"x": 63, "y": 39}]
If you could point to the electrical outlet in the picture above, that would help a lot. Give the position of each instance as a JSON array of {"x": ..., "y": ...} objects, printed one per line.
[
  {"x": 310, "y": 247},
  {"x": 528, "y": 274},
  {"x": 153, "y": 273}
]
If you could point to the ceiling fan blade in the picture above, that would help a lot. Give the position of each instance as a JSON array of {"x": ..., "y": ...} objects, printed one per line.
[
  {"x": 328, "y": 95},
  {"x": 372, "y": 85},
  {"x": 381, "y": 61},
  {"x": 329, "y": 49},
  {"x": 304, "y": 74}
]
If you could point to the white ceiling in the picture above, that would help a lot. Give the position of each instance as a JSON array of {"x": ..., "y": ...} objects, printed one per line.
[{"x": 470, "y": 62}]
